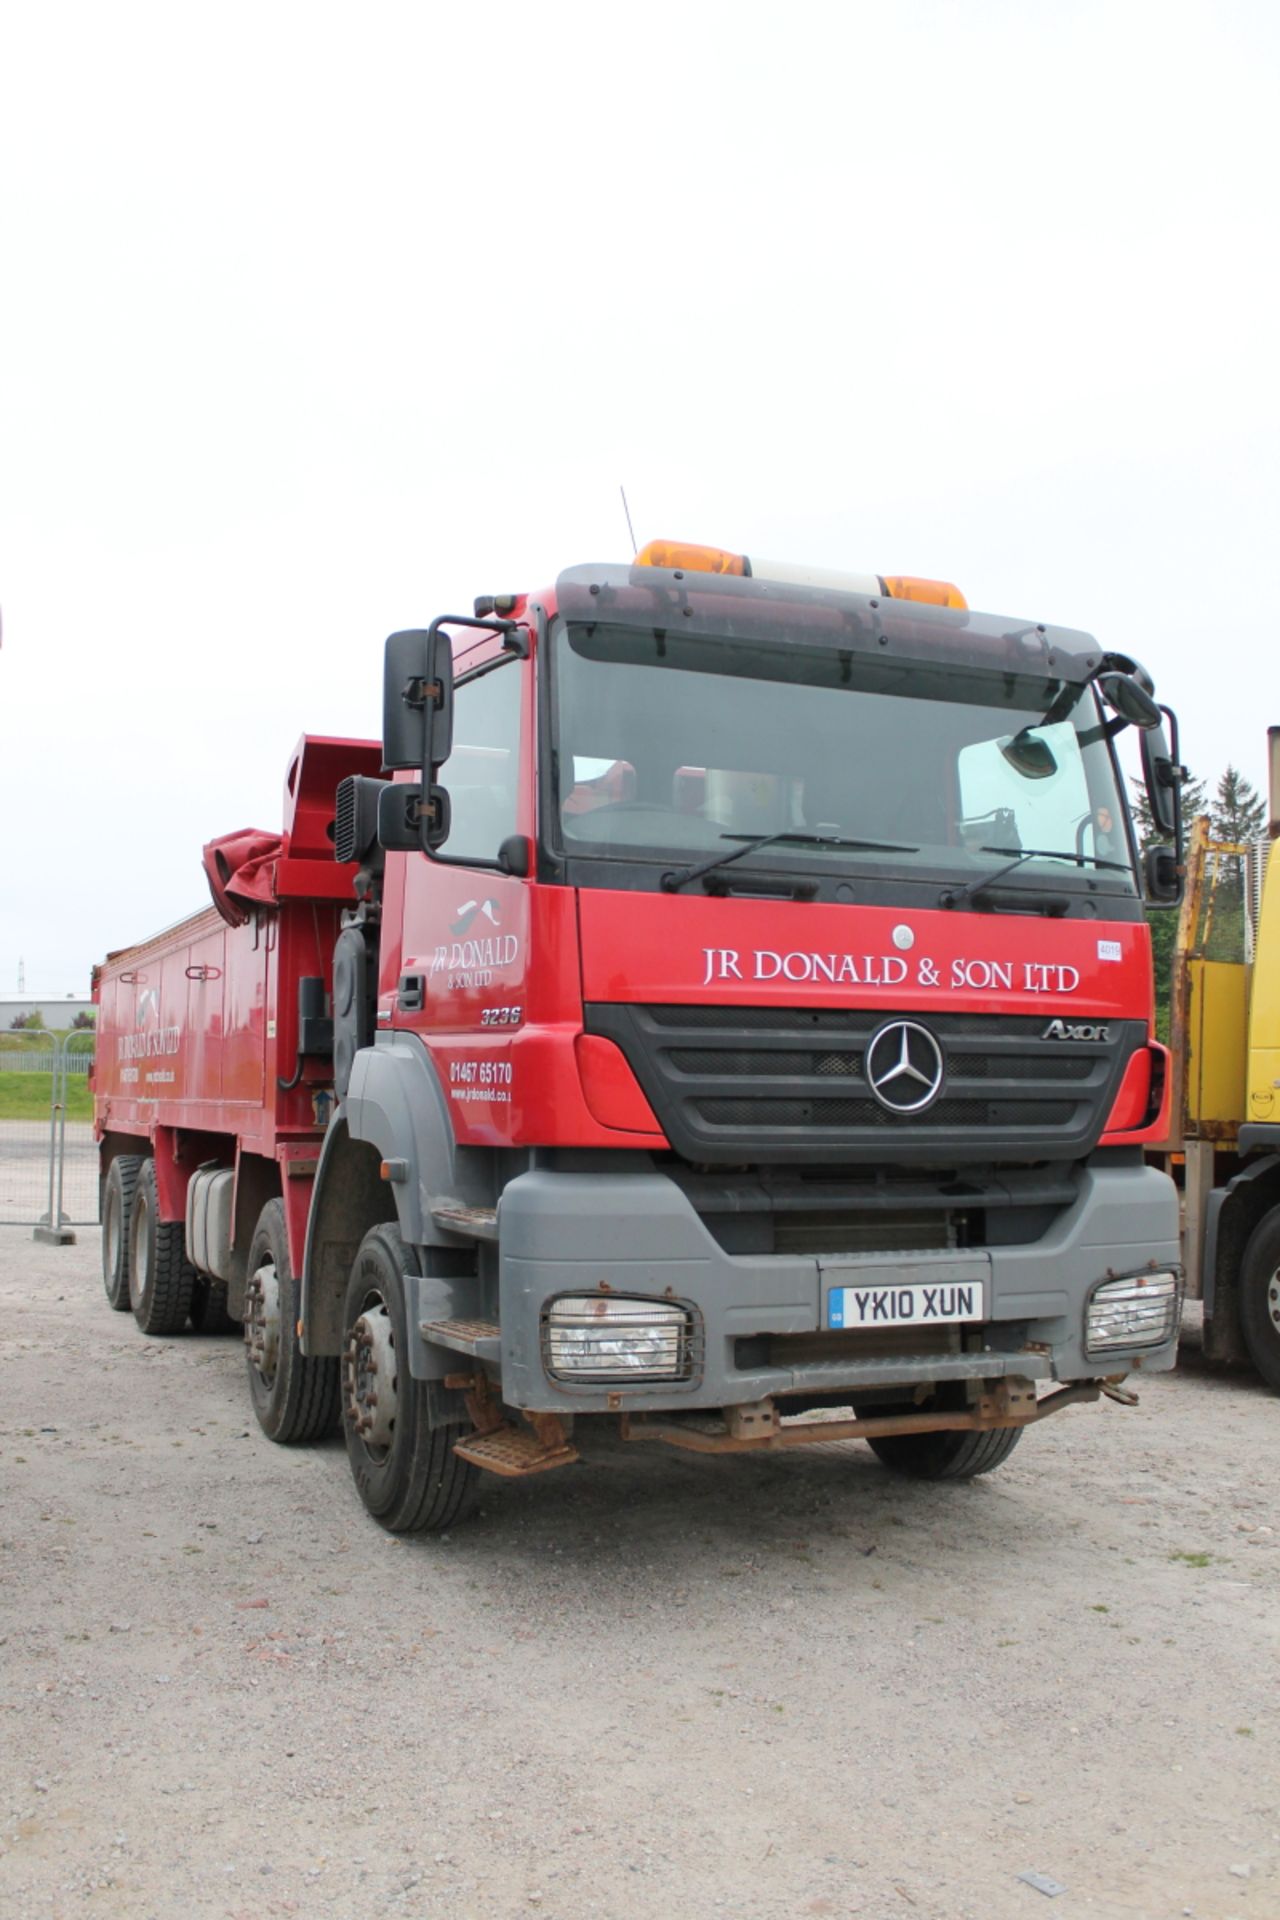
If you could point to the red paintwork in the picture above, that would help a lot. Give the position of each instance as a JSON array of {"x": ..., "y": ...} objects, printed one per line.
[
  {"x": 669, "y": 947},
  {"x": 191, "y": 1063},
  {"x": 1134, "y": 1121},
  {"x": 609, "y": 1087}
]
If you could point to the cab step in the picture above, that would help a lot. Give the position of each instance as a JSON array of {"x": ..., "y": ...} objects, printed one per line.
[
  {"x": 513, "y": 1451},
  {"x": 482, "y": 1339}
]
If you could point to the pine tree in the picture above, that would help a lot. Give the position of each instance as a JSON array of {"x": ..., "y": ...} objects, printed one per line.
[
  {"x": 1238, "y": 816},
  {"x": 1239, "y": 813}
]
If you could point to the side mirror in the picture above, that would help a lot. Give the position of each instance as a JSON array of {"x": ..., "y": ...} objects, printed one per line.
[
  {"x": 515, "y": 856},
  {"x": 417, "y": 700},
  {"x": 1033, "y": 758},
  {"x": 1161, "y": 880},
  {"x": 1163, "y": 778},
  {"x": 408, "y": 823},
  {"x": 1129, "y": 698}
]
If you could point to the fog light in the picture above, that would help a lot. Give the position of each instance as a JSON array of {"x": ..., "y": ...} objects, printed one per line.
[
  {"x": 602, "y": 1337},
  {"x": 1138, "y": 1311}
]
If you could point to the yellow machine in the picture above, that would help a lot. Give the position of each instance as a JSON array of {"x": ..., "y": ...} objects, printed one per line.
[{"x": 1225, "y": 1039}]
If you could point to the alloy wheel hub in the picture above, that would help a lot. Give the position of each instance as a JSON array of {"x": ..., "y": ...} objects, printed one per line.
[
  {"x": 262, "y": 1320},
  {"x": 369, "y": 1376}
]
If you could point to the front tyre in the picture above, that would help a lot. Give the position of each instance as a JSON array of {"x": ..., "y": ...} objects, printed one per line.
[
  {"x": 406, "y": 1471},
  {"x": 161, "y": 1278},
  {"x": 1260, "y": 1298},
  {"x": 946, "y": 1456},
  {"x": 294, "y": 1397}
]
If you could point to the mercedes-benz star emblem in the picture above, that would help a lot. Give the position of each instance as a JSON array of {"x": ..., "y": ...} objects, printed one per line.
[{"x": 904, "y": 1066}]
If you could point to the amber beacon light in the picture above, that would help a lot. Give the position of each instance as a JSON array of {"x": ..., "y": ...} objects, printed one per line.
[{"x": 684, "y": 556}]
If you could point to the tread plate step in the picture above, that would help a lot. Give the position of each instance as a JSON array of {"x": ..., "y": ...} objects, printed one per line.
[
  {"x": 513, "y": 1451},
  {"x": 481, "y": 1338}
]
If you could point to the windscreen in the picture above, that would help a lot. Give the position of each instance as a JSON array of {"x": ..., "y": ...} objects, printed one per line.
[{"x": 671, "y": 745}]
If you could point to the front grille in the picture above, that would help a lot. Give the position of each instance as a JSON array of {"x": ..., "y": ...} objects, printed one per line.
[
  {"x": 837, "y": 1230},
  {"x": 771, "y": 1084}
]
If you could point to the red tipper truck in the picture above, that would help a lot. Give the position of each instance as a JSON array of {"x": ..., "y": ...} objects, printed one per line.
[{"x": 721, "y": 1005}]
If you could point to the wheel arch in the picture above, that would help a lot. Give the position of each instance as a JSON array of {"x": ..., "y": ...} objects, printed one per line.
[
  {"x": 349, "y": 1197},
  {"x": 257, "y": 1182},
  {"x": 113, "y": 1145},
  {"x": 395, "y": 1112}
]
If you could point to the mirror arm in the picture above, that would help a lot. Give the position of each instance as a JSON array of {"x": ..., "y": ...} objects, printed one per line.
[
  {"x": 1105, "y": 730},
  {"x": 1175, "y": 778},
  {"x": 513, "y": 634}
]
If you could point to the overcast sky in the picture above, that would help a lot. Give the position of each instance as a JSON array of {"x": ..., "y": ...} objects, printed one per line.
[{"x": 316, "y": 322}]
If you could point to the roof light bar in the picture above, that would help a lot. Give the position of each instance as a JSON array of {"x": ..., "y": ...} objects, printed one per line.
[{"x": 683, "y": 556}]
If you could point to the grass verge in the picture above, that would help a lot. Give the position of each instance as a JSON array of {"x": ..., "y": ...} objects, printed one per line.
[{"x": 27, "y": 1096}]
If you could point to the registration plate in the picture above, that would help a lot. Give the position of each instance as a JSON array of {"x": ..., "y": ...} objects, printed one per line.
[{"x": 924, "y": 1303}]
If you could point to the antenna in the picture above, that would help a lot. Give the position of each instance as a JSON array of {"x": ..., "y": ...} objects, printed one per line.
[{"x": 630, "y": 529}]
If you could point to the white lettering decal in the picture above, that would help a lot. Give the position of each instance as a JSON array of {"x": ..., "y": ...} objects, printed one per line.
[
  {"x": 722, "y": 964},
  {"x": 981, "y": 974},
  {"x": 472, "y": 956},
  {"x": 812, "y": 969},
  {"x": 840, "y": 969},
  {"x": 1043, "y": 976},
  {"x": 485, "y": 1081},
  {"x": 142, "y": 1045}
]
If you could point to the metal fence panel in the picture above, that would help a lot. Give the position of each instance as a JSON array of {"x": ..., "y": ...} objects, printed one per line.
[
  {"x": 79, "y": 1152},
  {"x": 12, "y": 1061},
  {"x": 48, "y": 1162}
]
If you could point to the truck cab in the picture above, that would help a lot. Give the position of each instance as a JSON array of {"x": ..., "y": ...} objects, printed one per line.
[{"x": 742, "y": 1033}]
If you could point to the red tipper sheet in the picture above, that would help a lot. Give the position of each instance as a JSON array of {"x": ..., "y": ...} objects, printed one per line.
[{"x": 241, "y": 870}]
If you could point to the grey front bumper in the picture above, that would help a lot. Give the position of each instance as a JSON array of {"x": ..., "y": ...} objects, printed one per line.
[{"x": 636, "y": 1233}]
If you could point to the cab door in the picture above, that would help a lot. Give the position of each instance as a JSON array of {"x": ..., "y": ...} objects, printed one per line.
[{"x": 465, "y": 951}]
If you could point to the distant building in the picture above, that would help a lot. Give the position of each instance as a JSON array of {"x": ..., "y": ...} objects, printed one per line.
[{"x": 58, "y": 1013}]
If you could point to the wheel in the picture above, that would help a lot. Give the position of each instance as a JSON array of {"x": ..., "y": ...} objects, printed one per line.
[
  {"x": 295, "y": 1398},
  {"x": 161, "y": 1278},
  {"x": 209, "y": 1308},
  {"x": 946, "y": 1456},
  {"x": 407, "y": 1472},
  {"x": 1260, "y": 1297},
  {"x": 117, "y": 1208}
]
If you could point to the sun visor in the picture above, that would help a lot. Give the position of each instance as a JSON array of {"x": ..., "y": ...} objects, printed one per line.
[{"x": 659, "y": 601}]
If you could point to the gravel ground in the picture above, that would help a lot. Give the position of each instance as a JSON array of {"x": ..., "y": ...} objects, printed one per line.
[{"x": 648, "y": 1685}]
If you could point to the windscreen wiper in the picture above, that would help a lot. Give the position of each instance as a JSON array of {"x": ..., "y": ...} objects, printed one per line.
[
  {"x": 956, "y": 896},
  {"x": 672, "y": 882}
]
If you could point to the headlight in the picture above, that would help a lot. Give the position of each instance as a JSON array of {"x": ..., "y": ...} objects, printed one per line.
[
  {"x": 1138, "y": 1311},
  {"x": 603, "y": 1337}
]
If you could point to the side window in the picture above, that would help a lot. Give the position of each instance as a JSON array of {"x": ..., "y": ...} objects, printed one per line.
[{"x": 482, "y": 773}]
